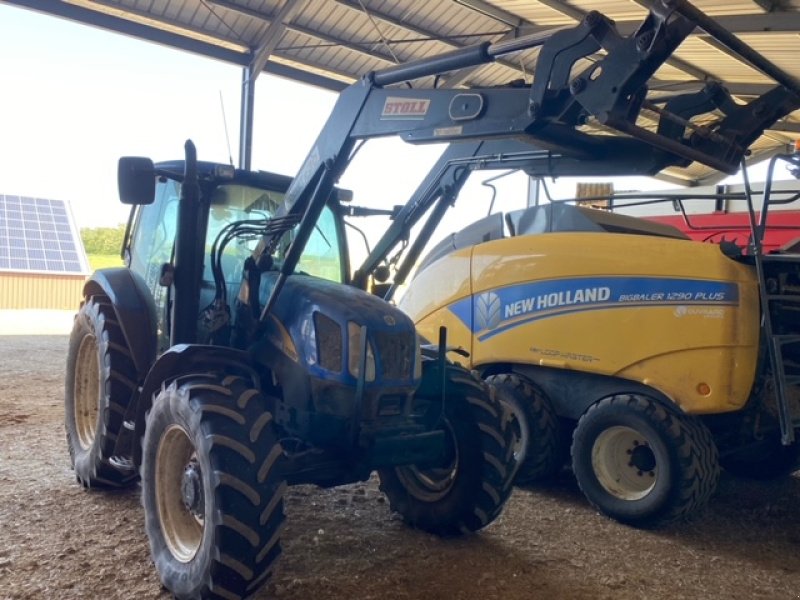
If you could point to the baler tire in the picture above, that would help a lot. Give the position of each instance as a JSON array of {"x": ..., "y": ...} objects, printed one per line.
[
  {"x": 469, "y": 493},
  {"x": 212, "y": 487},
  {"x": 100, "y": 383},
  {"x": 545, "y": 450},
  {"x": 622, "y": 442}
]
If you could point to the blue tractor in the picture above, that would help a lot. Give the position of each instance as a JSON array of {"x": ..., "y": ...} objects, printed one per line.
[{"x": 218, "y": 374}]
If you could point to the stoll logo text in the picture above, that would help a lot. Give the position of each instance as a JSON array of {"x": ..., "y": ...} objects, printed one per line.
[{"x": 405, "y": 108}]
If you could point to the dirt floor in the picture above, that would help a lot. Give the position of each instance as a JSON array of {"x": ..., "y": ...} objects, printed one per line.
[{"x": 59, "y": 541}]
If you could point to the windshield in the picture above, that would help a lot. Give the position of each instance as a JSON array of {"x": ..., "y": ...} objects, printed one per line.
[
  {"x": 233, "y": 202},
  {"x": 154, "y": 227}
]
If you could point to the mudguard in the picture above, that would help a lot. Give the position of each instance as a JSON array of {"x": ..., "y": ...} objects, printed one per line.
[
  {"x": 573, "y": 392},
  {"x": 135, "y": 309},
  {"x": 182, "y": 360}
]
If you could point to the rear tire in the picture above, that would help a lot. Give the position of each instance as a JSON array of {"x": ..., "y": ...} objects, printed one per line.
[
  {"x": 641, "y": 464},
  {"x": 544, "y": 450},
  {"x": 468, "y": 493},
  {"x": 212, "y": 488},
  {"x": 100, "y": 382}
]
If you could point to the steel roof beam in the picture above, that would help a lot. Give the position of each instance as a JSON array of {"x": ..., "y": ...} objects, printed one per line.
[
  {"x": 578, "y": 15},
  {"x": 787, "y": 126},
  {"x": 272, "y": 35},
  {"x": 772, "y": 5},
  {"x": 337, "y": 41},
  {"x": 391, "y": 20},
  {"x": 493, "y": 12},
  {"x": 277, "y": 24},
  {"x": 566, "y": 9},
  {"x": 426, "y": 33},
  {"x": 286, "y": 24},
  {"x": 773, "y": 22},
  {"x": 242, "y": 10},
  {"x": 755, "y": 158},
  {"x": 736, "y": 89}
]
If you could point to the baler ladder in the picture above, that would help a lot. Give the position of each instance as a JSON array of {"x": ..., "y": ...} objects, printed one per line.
[{"x": 785, "y": 373}]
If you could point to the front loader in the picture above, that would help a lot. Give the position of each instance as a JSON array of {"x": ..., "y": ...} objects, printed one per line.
[{"x": 648, "y": 358}]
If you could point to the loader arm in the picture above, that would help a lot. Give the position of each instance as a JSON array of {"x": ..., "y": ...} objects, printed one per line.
[
  {"x": 549, "y": 115},
  {"x": 444, "y": 181}
]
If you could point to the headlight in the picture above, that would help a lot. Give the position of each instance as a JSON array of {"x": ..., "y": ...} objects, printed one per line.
[{"x": 354, "y": 352}]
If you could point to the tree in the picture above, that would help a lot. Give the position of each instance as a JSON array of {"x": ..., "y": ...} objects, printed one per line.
[{"x": 103, "y": 240}]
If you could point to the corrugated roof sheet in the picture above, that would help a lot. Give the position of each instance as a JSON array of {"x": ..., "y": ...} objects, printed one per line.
[
  {"x": 344, "y": 39},
  {"x": 534, "y": 12}
]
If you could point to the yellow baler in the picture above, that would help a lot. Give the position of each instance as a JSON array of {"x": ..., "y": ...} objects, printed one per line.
[{"x": 644, "y": 348}]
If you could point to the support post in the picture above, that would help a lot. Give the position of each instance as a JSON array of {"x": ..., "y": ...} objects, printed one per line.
[{"x": 246, "y": 119}]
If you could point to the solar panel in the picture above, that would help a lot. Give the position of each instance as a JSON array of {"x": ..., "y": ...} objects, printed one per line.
[{"x": 39, "y": 235}]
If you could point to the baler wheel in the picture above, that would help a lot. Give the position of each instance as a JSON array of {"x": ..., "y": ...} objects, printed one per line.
[
  {"x": 544, "y": 449},
  {"x": 642, "y": 464}
]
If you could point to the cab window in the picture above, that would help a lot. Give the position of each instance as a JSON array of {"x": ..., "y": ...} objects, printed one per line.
[
  {"x": 230, "y": 203},
  {"x": 152, "y": 245}
]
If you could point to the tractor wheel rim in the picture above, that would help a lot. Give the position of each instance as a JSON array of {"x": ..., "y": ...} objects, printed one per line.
[
  {"x": 87, "y": 391},
  {"x": 179, "y": 493},
  {"x": 519, "y": 423},
  {"x": 624, "y": 463},
  {"x": 431, "y": 484}
]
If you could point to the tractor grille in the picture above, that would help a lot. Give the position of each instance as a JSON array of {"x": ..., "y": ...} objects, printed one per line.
[
  {"x": 329, "y": 343},
  {"x": 396, "y": 354}
]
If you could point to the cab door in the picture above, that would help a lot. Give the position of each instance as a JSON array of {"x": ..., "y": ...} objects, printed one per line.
[{"x": 152, "y": 246}]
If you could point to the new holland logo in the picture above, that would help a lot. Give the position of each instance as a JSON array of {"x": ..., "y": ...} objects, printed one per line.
[
  {"x": 405, "y": 108},
  {"x": 488, "y": 311}
]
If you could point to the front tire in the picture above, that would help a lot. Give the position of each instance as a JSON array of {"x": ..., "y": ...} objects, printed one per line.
[
  {"x": 470, "y": 491},
  {"x": 100, "y": 382},
  {"x": 212, "y": 488},
  {"x": 641, "y": 464}
]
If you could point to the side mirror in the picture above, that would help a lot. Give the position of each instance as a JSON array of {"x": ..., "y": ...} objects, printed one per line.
[
  {"x": 136, "y": 177},
  {"x": 343, "y": 195}
]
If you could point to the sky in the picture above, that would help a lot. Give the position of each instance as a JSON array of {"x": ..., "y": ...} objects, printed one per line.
[{"x": 76, "y": 98}]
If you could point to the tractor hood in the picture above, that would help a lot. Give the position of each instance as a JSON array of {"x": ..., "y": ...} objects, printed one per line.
[{"x": 319, "y": 323}]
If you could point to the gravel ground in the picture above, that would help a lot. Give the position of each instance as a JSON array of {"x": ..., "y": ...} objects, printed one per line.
[{"x": 59, "y": 541}]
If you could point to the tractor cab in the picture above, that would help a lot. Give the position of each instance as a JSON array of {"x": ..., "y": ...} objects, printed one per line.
[{"x": 228, "y": 196}]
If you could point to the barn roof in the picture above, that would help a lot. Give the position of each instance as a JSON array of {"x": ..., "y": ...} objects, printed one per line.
[{"x": 331, "y": 43}]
